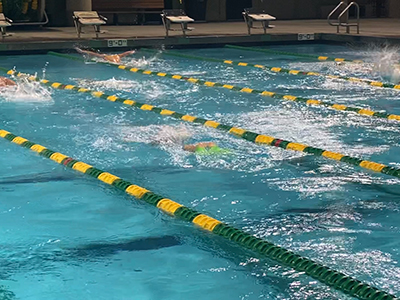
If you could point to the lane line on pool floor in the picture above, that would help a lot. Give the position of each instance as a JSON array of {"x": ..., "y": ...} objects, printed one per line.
[
  {"x": 324, "y": 274},
  {"x": 235, "y": 131},
  {"x": 317, "y": 57},
  {"x": 313, "y": 102},
  {"x": 373, "y": 83}
]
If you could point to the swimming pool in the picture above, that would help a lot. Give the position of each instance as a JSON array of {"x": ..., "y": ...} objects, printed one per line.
[{"x": 57, "y": 225}]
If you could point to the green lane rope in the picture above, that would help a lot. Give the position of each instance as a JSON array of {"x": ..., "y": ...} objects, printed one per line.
[
  {"x": 280, "y": 70},
  {"x": 238, "y": 132},
  {"x": 340, "y": 107},
  {"x": 326, "y": 275},
  {"x": 322, "y": 58}
]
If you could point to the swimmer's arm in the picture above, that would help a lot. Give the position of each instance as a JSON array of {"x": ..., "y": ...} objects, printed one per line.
[
  {"x": 126, "y": 53},
  {"x": 10, "y": 82},
  {"x": 89, "y": 52}
]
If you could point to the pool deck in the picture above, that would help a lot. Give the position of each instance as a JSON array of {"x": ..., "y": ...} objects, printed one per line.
[{"x": 61, "y": 38}]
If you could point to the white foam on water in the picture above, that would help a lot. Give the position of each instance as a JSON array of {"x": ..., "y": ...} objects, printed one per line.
[
  {"x": 140, "y": 62},
  {"x": 149, "y": 88},
  {"x": 383, "y": 65},
  {"x": 26, "y": 91},
  {"x": 192, "y": 73},
  {"x": 112, "y": 83},
  {"x": 162, "y": 135},
  {"x": 171, "y": 139},
  {"x": 386, "y": 64},
  {"x": 309, "y": 128},
  {"x": 168, "y": 138}
]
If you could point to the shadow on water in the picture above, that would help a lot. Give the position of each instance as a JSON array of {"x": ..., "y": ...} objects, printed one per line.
[
  {"x": 38, "y": 177},
  {"x": 95, "y": 251},
  {"x": 142, "y": 244},
  {"x": 6, "y": 294}
]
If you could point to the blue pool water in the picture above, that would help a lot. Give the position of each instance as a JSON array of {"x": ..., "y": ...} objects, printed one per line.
[{"x": 339, "y": 215}]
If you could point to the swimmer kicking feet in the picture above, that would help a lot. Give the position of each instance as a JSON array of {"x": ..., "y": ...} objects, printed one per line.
[{"x": 114, "y": 58}]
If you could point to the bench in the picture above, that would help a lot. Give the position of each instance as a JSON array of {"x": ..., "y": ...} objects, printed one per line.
[
  {"x": 175, "y": 16},
  {"x": 88, "y": 18},
  {"x": 252, "y": 15},
  {"x": 140, "y": 7},
  {"x": 4, "y": 23}
]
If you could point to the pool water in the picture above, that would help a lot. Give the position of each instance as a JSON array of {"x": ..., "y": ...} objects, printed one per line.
[{"x": 68, "y": 236}]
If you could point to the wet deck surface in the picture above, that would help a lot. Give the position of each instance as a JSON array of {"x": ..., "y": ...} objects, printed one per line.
[{"x": 52, "y": 38}]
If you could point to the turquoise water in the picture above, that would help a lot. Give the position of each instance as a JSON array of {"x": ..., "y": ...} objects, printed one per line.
[{"x": 342, "y": 216}]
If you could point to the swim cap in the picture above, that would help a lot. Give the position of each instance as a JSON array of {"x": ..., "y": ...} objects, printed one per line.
[
  {"x": 214, "y": 150},
  {"x": 200, "y": 150}
]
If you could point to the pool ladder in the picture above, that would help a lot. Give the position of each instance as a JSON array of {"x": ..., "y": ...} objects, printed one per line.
[{"x": 344, "y": 15}]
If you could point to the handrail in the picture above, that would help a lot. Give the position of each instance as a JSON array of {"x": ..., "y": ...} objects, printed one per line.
[
  {"x": 345, "y": 11},
  {"x": 332, "y": 12}
]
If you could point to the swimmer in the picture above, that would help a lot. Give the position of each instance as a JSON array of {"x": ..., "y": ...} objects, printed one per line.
[
  {"x": 6, "y": 82},
  {"x": 114, "y": 58},
  {"x": 176, "y": 137}
]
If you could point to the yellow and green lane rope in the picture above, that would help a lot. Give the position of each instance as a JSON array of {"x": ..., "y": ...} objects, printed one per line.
[
  {"x": 317, "y": 57},
  {"x": 340, "y": 107},
  {"x": 324, "y": 274},
  {"x": 236, "y": 131},
  {"x": 280, "y": 70}
]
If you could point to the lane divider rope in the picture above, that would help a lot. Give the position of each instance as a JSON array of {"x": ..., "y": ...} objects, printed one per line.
[
  {"x": 324, "y": 274},
  {"x": 370, "y": 82},
  {"x": 318, "y": 57},
  {"x": 340, "y": 107},
  {"x": 236, "y": 131}
]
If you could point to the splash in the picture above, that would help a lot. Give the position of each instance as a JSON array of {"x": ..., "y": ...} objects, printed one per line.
[
  {"x": 168, "y": 138},
  {"x": 387, "y": 64},
  {"x": 149, "y": 89},
  {"x": 112, "y": 83},
  {"x": 141, "y": 62},
  {"x": 164, "y": 136},
  {"x": 26, "y": 91}
]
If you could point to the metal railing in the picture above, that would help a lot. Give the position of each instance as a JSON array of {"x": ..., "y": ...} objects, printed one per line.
[{"x": 345, "y": 15}]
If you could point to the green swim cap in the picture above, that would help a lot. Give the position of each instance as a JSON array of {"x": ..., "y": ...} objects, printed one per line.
[
  {"x": 214, "y": 150},
  {"x": 200, "y": 150}
]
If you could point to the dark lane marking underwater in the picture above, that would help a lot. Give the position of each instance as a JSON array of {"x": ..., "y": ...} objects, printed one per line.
[
  {"x": 49, "y": 177},
  {"x": 141, "y": 244},
  {"x": 6, "y": 294},
  {"x": 94, "y": 250},
  {"x": 37, "y": 178}
]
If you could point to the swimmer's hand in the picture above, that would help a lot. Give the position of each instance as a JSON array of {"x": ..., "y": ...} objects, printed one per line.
[{"x": 127, "y": 53}]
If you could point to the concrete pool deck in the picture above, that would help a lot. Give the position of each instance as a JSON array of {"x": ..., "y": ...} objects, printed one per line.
[{"x": 59, "y": 38}]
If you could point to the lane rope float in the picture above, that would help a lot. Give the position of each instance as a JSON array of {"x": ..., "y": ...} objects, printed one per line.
[
  {"x": 318, "y": 57},
  {"x": 236, "y": 131},
  {"x": 308, "y": 101},
  {"x": 324, "y": 274},
  {"x": 370, "y": 82}
]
